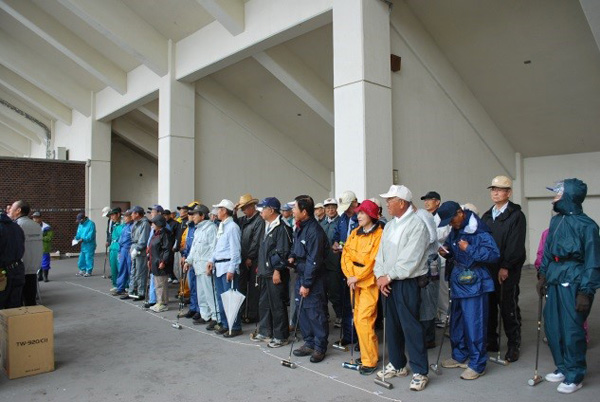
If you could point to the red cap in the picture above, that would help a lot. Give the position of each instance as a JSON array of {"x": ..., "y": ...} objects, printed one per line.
[{"x": 369, "y": 208}]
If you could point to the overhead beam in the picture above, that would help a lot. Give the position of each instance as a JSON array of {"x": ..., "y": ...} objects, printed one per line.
[
  {"x": 22, "y": 61},
  {"x": 136, "y": 136},
  {"x": 66, "y": 42},
  {"x": 591, "y": 9},
  {"x": 142, "y": 87},
  {"x": 125, "y": 28},
  {"x": 14, "y": 142},
  {"x": 34, "y": 96},
  {"x": 300, "y": 79},
  {"x": 267, "y": 23},
  {"x": 230, "y": 13},
  {"x": 148, "y": 113},
  {"x": 21, "y": 125}
]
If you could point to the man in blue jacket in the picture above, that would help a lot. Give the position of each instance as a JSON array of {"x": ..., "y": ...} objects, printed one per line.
[
  {"x": 570, "y": 271},
  {"x": 308, "y": 254},
  {"x": 471, "y": 246}
]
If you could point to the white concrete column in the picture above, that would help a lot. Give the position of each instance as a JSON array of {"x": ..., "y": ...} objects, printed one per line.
[
  {"x": 98, "y": 174},
  {"x": 175, "y": 138},
  {"x": 362, "y": 97}
]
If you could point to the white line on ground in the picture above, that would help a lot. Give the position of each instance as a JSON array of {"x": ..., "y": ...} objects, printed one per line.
[{"x": 265, "y": 351}]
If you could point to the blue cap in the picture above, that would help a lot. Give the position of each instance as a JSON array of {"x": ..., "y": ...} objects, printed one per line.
[
  {"x": 447, "y": 211},
  {"x": 138, "y": 209},
  {"x": 157, "y": 207},
  {"x": 80, "y": 216},
  {"x": 288, "y": 206},
  {"x": 270, "y": 202}
]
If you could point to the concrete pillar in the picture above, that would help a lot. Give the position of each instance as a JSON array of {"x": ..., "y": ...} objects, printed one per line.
[
  {"x": 362, "y": 97},
  {"x": 175, "y": 138},
  {"x": 98, "y": 173}
]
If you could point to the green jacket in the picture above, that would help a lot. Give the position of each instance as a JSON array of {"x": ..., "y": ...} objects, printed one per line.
[
  {"x": 117, "y": 228},
  {"x": 47, "y": 236},
  {"x": 572, "y": 249}
]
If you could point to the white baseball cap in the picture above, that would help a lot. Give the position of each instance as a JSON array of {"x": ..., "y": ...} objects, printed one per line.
[
  {"x": 330, "y": 201},
  {"x": 227, "y": 204},
  {"x": 398, "y": 191},
  {"x": 319, "y": 205}
]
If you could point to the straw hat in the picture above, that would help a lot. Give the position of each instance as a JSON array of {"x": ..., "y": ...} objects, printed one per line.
[{"x": 245, "y": 200}]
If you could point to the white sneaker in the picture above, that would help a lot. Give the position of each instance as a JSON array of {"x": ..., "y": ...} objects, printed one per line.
[
  {"x": 568, "y": 388},
  {"x": 390, "y": 372},
  {"x": 159, "y": 308},
  {"x": 556, "y": 376},
  {"x": 112, "y": 289},
  {"x": 418, "y": 382}
]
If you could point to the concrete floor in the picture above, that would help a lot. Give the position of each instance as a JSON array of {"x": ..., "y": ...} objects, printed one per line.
[{"x": 109, "y": 349}]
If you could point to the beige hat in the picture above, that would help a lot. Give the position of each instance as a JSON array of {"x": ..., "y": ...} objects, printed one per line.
[
  {"x": 401, "y": 192},
  {"x": 319, "y": 205},
  {"x": 246, "y": 199},
  {"x": 345, "y": 200},
  {"x": 501, "y": 182}
]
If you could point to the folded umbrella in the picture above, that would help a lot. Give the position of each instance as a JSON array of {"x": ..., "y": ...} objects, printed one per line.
[{"x": 232, "y": 301}]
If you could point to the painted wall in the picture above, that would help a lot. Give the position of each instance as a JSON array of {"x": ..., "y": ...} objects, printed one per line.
[
  {"x": 238, "y": 152},
  {"x": 134, "y": 177},
  {"x": 438, "y": 142},
  {"x": 543, "y": 171}
]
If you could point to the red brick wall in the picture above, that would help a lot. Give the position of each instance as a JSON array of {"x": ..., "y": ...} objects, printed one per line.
[{"x": 55, "y": 188}]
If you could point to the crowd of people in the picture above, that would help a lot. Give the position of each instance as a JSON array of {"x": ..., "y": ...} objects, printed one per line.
[{"x": 425, "y": 267}]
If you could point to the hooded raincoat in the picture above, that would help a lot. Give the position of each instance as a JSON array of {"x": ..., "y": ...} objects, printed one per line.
[
  {"x": 86, "y": 232},
  {"x": 571, "y": 265}
]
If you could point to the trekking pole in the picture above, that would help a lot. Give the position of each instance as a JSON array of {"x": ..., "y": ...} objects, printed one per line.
[
  {"x": 536, "y": 379},
  {"x": 377, "y": 381},
  {"x": 436, "y": 367},
  {"x": 105, "y": 256},
  {"x": 497, "y": 359},
  {"x": 288, "y": 362},
  {"x": 352, "y": 365}
]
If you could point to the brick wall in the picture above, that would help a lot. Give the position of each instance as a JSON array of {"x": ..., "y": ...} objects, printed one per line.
[{"x": 55, "y": 188}]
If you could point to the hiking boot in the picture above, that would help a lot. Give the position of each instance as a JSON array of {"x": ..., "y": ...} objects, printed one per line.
[
  {"x": 190, "y": 314},
  {"x": 277, "y": 343},
  {"x": 390, "y": 372},
  {"x": 259, "y": 337},
  {"x": 556, "y": 376},
  {"x": 199, "y": 321},
  {"x": 303, "y": 351},
  {"x": 196, "y": 316},
  {"x": 568, "y": 387},
  {"x": 159, "y": 308},
  {"x": 219, "y": 329},
  {"x": 366, "y": 370},
  {"x": 418, "y": 382},
  {"x": 512, "y": 355},
  {"x": 317, "y": 357},
  {"x": 211, "y": 325},
  {"x": 232, "y": 334},
  {"x": 451, "y": 363},
  {"x": 470, "y": 374}
]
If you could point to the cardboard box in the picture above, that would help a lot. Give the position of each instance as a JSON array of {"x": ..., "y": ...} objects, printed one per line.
[{"x": 26, "y": 341}]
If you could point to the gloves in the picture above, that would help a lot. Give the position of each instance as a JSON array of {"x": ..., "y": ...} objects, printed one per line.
[
  {"x": 541, "y": 285},
  {"x": 583, "y": 303}
]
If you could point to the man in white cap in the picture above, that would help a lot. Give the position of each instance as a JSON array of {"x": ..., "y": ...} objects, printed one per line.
[
  {"x": 400, "y": 261},
  {"x": 319, "y": 212},
  {"x": 348, "y": 221},
  {"x": 509, "y": 228},
  {"x": 333, "y": 270},
  {"x": 226, "y": 263}
]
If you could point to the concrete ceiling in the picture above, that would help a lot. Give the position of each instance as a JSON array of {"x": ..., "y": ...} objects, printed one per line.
[{"x": 546, "y": 107}]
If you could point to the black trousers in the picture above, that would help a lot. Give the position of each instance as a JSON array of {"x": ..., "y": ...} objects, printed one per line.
[
  {"x": 511, "y": 314},
  {"x": 272, "y": 307},
  {"x": 12, "y": 295},
  {"x": 333, "y": 282},
  {"x": 247, "y": 286},
  {"x": 30, "y": 289}
]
